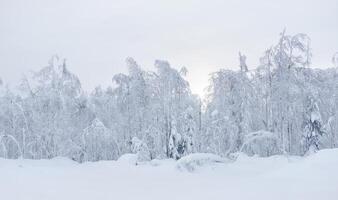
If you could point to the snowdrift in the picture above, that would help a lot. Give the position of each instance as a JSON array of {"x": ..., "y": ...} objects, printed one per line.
[
  {"x": 129, "y": 158},
  {"x": 277, "y": 177}
]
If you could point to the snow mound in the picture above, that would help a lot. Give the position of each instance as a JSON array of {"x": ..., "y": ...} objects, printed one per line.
[
  {"x": 62, "y": 161},
  {"x": 129, "y": 158},
  {"x": 195, "y": 161}
]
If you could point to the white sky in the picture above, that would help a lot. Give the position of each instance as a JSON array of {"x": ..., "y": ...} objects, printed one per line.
[{"x": 96, "y": 36}]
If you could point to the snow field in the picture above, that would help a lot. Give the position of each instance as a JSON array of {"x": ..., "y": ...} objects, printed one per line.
[{"x": 276, "y": 177}]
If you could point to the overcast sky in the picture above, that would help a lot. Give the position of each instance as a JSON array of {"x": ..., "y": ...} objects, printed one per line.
[{"x": 96, "y": 36}]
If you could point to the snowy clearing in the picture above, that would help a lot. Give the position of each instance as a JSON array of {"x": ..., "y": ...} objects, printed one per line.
[{"x": 276, "y": 177}]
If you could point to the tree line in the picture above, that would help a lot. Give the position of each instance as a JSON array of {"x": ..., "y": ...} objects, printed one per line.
[{"x": 283, "y": 106}]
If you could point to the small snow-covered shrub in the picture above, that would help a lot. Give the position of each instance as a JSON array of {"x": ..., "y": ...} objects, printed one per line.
[
  {"x": 262, "y": 143},
  {"x": 141, "y": 149},
  {"x": 194, "y": 161}
]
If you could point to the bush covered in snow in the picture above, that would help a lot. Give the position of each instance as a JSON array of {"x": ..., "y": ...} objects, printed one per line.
[
  {"x": 262, "y": 143},
  {"x": 141, "y": 149},
  {"x": 196, "y": 160}
]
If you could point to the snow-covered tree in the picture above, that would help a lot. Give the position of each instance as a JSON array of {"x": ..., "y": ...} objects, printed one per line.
[
  {"x": 230, "y": 110},
  {"x": 242, "y": 63},
  {"x": 313, "y": 126},
  {"x": 174, "y": 97},
  {"x": 97, "y": 143},
  {"x": 335, "y": 60}
]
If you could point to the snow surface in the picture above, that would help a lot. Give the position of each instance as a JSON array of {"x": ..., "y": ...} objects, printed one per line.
[{"x": 276, "y": 177}]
